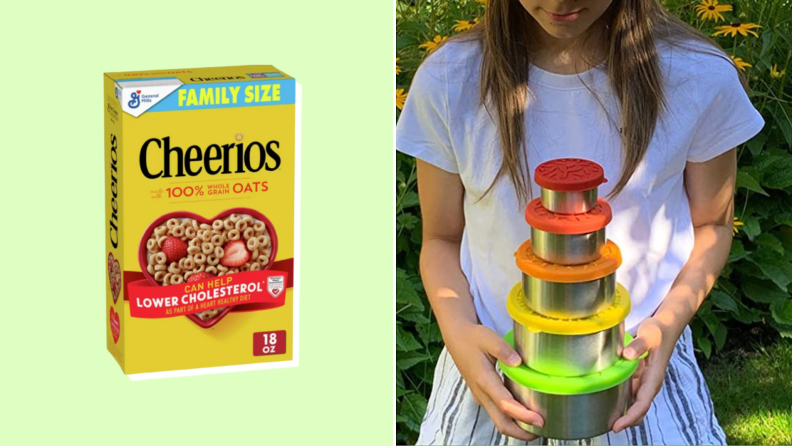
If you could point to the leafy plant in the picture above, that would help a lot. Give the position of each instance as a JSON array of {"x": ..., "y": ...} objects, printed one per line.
[{"x": 755, "y": 285}]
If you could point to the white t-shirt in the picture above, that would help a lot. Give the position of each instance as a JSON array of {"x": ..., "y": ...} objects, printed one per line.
[{"x": 443, "y": 124}]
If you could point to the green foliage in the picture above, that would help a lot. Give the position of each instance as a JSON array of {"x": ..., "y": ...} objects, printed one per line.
[
  {"x": 418, "y": 340},
  {"x": 755, "y": 284}
]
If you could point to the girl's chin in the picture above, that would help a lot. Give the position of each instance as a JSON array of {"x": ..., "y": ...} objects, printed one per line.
[{"x": 563, "y": 33}]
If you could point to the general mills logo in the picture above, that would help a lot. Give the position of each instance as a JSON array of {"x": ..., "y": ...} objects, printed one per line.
[{"x": 135, "y": 102}]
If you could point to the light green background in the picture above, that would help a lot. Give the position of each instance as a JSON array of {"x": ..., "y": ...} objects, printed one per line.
[{"x": 58, "y": 381}]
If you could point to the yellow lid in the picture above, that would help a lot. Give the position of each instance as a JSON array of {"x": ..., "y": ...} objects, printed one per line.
[{"x": 610, "y": 317}]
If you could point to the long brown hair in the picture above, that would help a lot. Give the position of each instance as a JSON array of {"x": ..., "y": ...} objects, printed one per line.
[{"x": 633, "y": 29}]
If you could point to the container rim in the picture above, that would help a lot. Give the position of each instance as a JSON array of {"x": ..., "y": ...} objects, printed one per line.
[
  {"x": 518, "y": 309},
  {"x": 611, "y": 377},
  {"x": 529, "y": 263},
  {"x": 539, "y": 217}
]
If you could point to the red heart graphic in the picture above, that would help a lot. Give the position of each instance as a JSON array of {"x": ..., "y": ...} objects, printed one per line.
[
  {"x": 115, "y": 325},
  {"x": 142, "y": 252},
  {"x": 114, "y": 275},
  {"x": 138, "y": 92},
  {"x": 276, "y": 291}
]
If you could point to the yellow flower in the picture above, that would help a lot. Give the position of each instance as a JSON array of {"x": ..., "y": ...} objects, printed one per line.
[
  {"x": 711, "y": 10},
  {"x": 775, "y": 74},
  {"x": 741, "y": 64},
  {"x": 401, "y": 96},
  {"x": 398, "y": 70},
  {"x": 737, "y": 223},
  {"x": 464, "y": 25},
  {"x": 736, "y": 27},
  {"x": 432, "y": 44}
]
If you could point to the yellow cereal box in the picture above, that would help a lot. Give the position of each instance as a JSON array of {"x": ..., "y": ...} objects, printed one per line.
[{"x": 201, "y": 220}]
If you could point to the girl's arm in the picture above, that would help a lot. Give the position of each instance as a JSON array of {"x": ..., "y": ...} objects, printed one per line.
[
  {"x": 473, "y": 347},
  {"x": 443, "y": 220},
  {"x": 710, "y": 190}
]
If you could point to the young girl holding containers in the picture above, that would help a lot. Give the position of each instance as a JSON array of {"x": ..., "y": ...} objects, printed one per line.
[{"x": 619, "y": 84}]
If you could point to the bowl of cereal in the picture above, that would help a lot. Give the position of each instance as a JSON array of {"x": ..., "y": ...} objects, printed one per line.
[{"x": 182, "y": 247}]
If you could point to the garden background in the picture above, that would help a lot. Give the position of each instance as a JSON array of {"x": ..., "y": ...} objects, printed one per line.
[{"x": 743, "y": 331}]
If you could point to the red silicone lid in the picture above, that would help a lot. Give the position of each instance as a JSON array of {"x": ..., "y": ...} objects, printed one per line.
[
  {"x": 540, "y": 218},
  {"x": 569, "y": 174}
]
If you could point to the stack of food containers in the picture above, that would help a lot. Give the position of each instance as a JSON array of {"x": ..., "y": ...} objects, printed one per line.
[{"x": 569, "y": 310}]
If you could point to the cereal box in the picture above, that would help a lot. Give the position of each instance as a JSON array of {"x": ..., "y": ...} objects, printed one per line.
[{"x": 201, "y": 219}]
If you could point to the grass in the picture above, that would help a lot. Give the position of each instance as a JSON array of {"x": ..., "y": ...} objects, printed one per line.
[{"x": 752, "y": 392}]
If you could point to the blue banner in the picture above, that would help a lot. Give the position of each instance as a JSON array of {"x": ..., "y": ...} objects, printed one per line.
[{"x": 228, "y": 94}]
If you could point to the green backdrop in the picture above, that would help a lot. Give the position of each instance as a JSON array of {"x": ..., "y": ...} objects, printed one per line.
[{"x": 59, "y": 382}]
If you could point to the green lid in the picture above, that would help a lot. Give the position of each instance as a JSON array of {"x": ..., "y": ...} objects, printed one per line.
[{"x": 572, "y": 385}]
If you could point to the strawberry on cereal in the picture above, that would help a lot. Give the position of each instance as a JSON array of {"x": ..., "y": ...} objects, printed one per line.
[
  {"x": 175, "y": 249},
  {"x": 235, "y": 254},
  {"x": 200, "y": 276}
]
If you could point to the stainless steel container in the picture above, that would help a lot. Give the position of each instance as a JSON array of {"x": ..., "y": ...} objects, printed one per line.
[
  {"x": 567, "y": 249},
  {"x": 569, "y": 355},
  {"x": 573, "y": 417},
  {"x": 576, "y": 202},
  {"x": 573, "y": 300}
]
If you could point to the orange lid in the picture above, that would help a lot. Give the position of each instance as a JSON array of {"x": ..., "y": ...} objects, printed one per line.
[
  {"x": 569, "y": 174},
  {"x": 540, "y": 218},
  {"x": 610, "y": 259}
]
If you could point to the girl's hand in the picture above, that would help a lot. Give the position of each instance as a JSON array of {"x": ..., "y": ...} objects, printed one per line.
[
  {"x": 654, "y": 338},
  {"x": 475, "y": 348}
]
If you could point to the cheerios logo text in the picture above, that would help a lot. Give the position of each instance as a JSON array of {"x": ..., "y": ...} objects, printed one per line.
[
  {"x": 114, "y": 191},
  {"x": 217, "y": 79},
  {"x": 157, "y": 156}
]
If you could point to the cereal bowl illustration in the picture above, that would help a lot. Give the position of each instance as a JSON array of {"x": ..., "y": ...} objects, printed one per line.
[
  {"x": 114, "y": 276},
  {"x": 183, "y": 247}
]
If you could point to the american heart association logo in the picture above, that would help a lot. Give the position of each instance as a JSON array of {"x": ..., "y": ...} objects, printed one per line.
[{"x": 275, "y": 285}]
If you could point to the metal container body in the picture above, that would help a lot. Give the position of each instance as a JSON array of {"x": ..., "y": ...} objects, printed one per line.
[
  {"x": 569, "y": 300},
  {"x": 567, "y": 249},
  {"x": 573, "y": 417},
  {"x": 569, "y": 355},
  {"x": 569, "y": 202}
]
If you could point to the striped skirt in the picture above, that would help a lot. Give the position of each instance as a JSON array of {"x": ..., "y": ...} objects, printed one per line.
[{"x": 681, "y": 413}]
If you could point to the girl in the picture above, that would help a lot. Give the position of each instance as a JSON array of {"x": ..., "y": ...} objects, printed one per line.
[{"x": 619, "y": 82}]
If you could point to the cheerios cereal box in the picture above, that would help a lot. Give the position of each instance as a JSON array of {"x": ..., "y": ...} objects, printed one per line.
[{"x": 201, "y": 219}]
